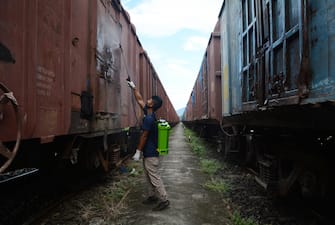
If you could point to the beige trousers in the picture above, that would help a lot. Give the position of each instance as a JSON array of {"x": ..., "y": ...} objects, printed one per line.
[{"x": 155, "y": 183}]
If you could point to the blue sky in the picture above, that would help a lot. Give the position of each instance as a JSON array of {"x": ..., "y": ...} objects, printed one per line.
[{"x": 175, "y": 34}]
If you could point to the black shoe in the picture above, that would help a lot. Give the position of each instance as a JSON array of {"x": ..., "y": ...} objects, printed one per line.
[
  {"x": 161, "y": 206},
  {"x": 150, "y": 200}
]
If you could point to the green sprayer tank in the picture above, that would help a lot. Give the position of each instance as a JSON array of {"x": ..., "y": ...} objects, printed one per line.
[{"x": 163, "y": 137}]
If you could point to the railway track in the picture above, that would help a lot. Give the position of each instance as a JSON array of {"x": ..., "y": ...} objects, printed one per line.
[
  {"x": 30, "y": 195},
  {"x": 17, "y": 175}
]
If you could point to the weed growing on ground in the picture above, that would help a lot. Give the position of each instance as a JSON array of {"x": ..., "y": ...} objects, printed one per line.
[
  {"x": 189, "y": 134},
  {"x": 209, "y": 166},
  {"x": 197, "y": 144},
  {"x": 101, "y": 204},
  {"x": 217, "y": 185},
  {"x": 238, "y": 220},
  {"x": 198, "y": 149}
]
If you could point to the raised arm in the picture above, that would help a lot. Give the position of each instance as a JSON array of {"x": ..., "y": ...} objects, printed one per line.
[
  {"x": 139, "y": 98},
  {"x": 137, "y": 94}
]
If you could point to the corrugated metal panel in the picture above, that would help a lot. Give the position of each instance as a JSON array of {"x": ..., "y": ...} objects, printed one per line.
[
  {"x": 205, "y": 100},
  {"x": 52, "y": 67},
  {"x": 214, "y": 75},
  {"x": 284, "y": 42},
  {"x": 322, "y": 41},
  {"x": 65, "y": 50},
  {"x": 79, "y": 51},
  {"x": 275, "y": 55},
  {"x": 108, "y": 66},
  {"x": 12, "y": 37},
  {"x": 282, "y": 63},
  {"x": 36, "y": 34},
  {"x": 226, "y": 92}
]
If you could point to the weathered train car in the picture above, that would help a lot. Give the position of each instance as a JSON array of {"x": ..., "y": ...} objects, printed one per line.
[
  {"x": 278, "y": 90},
  {"x": 168, "y": 113},
  {"x": 149, "y": 84},
  {"x": 63, "y": 68},
  {"x": 203, "y": 110}
]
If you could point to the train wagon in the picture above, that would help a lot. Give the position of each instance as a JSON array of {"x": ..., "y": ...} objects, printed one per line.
[
  {"x": 278, "y": 86},
  {"x": 64, "y": 96},
  {"x": 203, "y": 110},
  {"x": 150, "y": 84},
  {"x": 278, "y": 90}
]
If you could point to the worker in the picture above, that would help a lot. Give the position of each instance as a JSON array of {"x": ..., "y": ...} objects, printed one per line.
[{"x": 148, "y": 147}]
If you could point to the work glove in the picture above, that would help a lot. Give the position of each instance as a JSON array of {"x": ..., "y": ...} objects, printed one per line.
[
  {"x": 130, "y": 83},
  {"x": 137, "y": 155}
]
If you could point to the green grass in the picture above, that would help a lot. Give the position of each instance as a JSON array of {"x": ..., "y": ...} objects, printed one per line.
[
  {"x": 217, "y": 185},
  {"x": 238, "y": 220},
  {"x": 198, "y": 149},
  {"x": 197, "y": 144},
  {"x": 209, "y": 166}
]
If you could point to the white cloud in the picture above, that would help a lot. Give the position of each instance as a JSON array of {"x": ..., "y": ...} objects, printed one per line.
[
  {"x": 157, "y": 19},
  {"x": 196, "y": 43},
  {"x": 178, "y": 78},
  {"x": 154, "y": 18}
]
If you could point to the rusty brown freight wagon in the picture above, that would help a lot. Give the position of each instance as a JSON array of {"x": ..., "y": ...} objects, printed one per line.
[
  {"x": 63, "y": 72},
  {"x": 150, "y": 84},
  {"x": 203, "y": 110}
]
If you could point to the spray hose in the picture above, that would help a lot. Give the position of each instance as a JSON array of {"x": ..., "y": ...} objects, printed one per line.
[{"x": 129, "y": 79}]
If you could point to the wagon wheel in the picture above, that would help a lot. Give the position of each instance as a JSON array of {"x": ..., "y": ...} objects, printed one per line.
[{"x": 8, "y": 98}]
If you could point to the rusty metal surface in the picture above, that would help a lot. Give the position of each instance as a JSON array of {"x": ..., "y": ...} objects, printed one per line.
[
  {"x": 71, "y": 54},
  {"x": 80, "y": 53},
  {"x": 35, "y": 32},
  {"x": 12, "y": 40},
  {"x": 205, "y": 99},
  {"x": 276, "y": 54},
  {"x": 66, "y": 63},
  {"x": 285, "y": 50},
  {"x": 214, "y": 75}
]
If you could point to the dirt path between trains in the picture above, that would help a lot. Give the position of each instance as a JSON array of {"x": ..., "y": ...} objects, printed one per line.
[
  {"x": 118, "y": 199},
  {"x": 190, "y": 202}
]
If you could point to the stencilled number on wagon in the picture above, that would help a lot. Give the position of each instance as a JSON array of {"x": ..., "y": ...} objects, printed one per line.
[{"x": 45, "y": 80}]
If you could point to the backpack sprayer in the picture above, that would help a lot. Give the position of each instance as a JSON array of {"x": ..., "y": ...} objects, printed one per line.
[
  {"x": 163, "y": 137},
  {"x": 163, "y": 129}
]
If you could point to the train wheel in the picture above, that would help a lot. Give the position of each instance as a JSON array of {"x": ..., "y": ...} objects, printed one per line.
[{"x": 8, "y": 154}]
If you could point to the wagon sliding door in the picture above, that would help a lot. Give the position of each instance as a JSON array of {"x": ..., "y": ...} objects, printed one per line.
[
  {"x": 271, "y": 51},
  {"x": 108, "y": 59},
  {"x": 284, "y": 49}
]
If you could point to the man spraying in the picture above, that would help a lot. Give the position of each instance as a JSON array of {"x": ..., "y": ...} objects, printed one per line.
[{"x": 148, "y": 146}]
